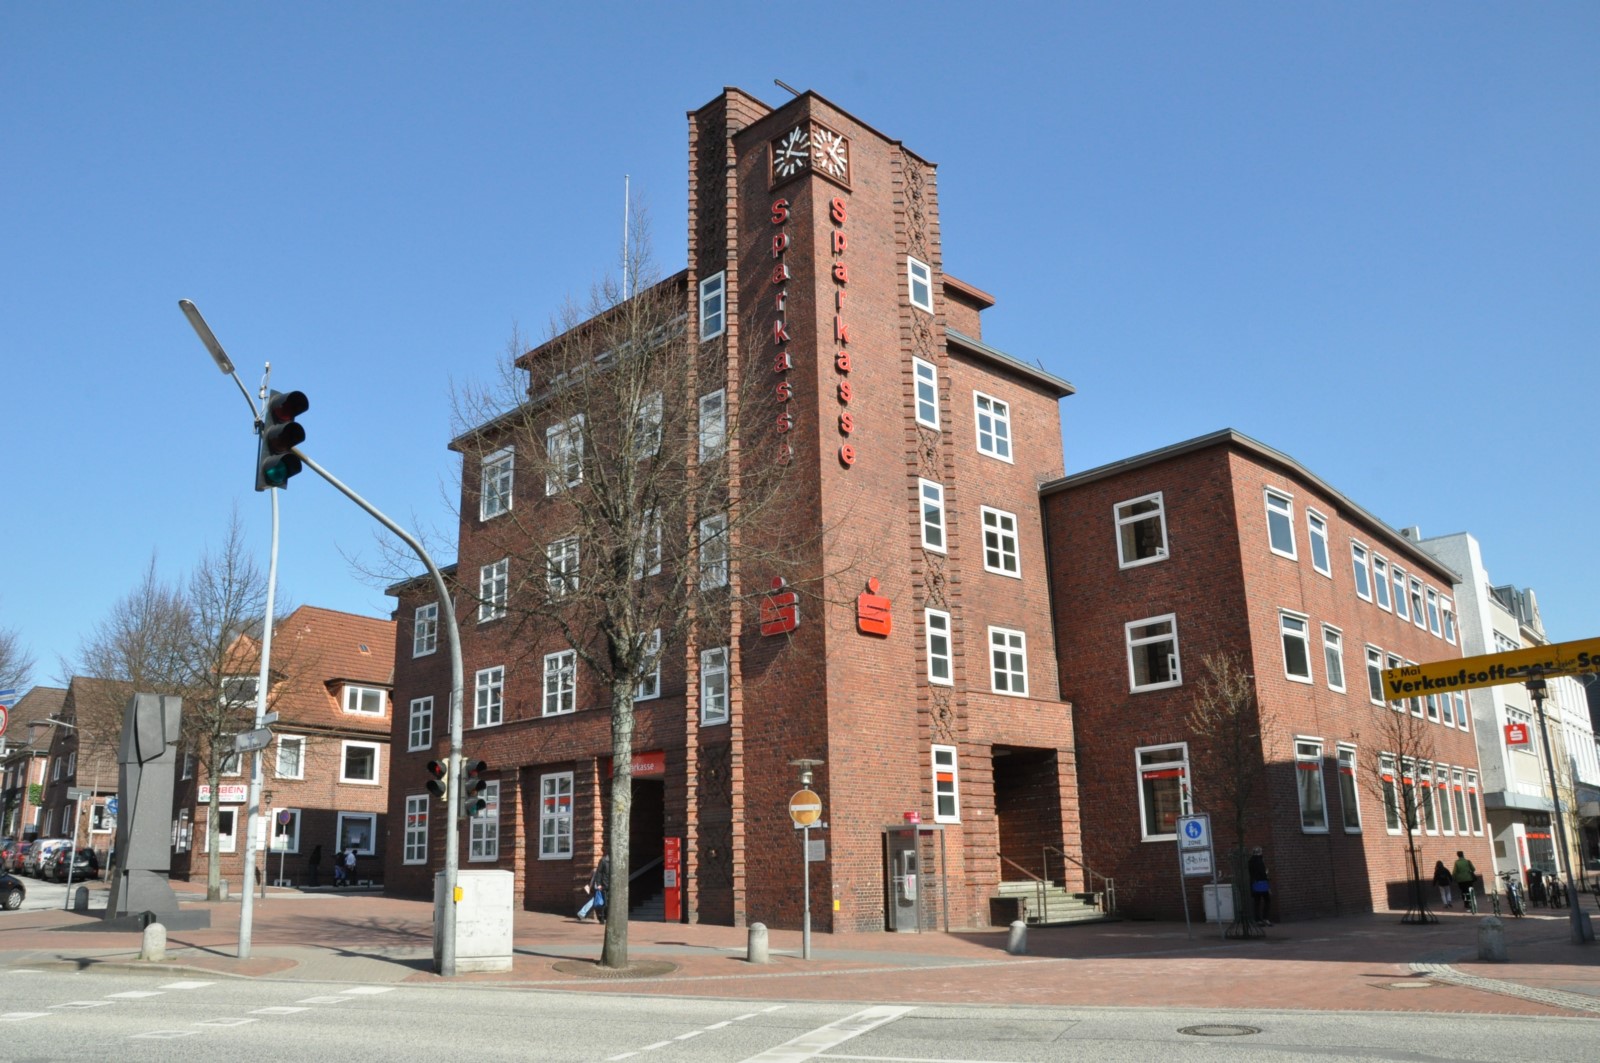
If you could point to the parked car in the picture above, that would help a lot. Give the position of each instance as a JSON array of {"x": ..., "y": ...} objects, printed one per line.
[
  {"x": 8, "y": 847},
  {"x": 38, "y": 857},
  {"x": 12, "y": 891},
  {"x": 14, "y": 857},
  {"x": 85, "y": 864}
]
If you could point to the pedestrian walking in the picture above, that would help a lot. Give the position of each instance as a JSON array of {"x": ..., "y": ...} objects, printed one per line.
[
  {"x": 1260, "y": 888},
  {"x": 1465, "y": 875},
  {"x": 350, "y": 865},
  {"x": 1536, "y": 891},
  {"x": 1445, "y": 881},
  {"x": 599, "y": 882}
]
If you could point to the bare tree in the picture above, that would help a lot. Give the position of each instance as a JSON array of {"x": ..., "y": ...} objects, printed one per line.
[
  {"x": 626, "y": 430},
  {"x": 1405, "y": 742},
  {"x": 1231, "y": 722},
  {"x": 16, "y": 663}
]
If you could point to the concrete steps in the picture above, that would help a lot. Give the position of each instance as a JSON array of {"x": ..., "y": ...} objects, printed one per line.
[{"x": 1056, "y": 907}]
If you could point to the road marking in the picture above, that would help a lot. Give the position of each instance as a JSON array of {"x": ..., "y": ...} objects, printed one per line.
[
  {"x": 162, "y": 1035},
  {"x": 23, "y": 970},
  {"x": 82, "y": 1004},
  {"x": 686, "y": 1036},
  {"x": 720, "y": 1025},
  {"x": 323, "y": 1000},
  {"x": 367, "y": 990},
  {"x": 18, "y": 1016},
  {"x": 186, "y": 985},
  {"x": 277, "y": 1011},
  {"x": 134, "y": 994},
  {"x": 652, "y": 1048},
  {"x": 225, "y": 1022},
  {"x": 809, "y": 1045}
]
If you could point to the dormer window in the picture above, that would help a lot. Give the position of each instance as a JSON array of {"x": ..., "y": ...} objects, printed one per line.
[{"x": 365, "y": 701}]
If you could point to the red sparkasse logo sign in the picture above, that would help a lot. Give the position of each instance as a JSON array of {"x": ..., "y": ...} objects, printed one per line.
[{"x": 1516, "y": 734}]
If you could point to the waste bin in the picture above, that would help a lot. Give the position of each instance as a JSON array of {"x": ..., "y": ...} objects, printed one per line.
[{"x": 1219, "y": 902}]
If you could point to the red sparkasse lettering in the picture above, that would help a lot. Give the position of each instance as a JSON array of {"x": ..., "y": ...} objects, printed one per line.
[
  {"x": 782, "y": 363},
  {"x": 785, "y": 422},
  {"x": 847, "y": 423},
  {"x": 780, "y": 244},
  {"x": 780, "y": 334},
  {"x": 836, "y": 210},
  {"x": 780, "y": 212},
  {"x": 780, "y": 273},
  {"x": 785, "y": 454},
  {"x": 844, "y": 392},
  {"x": 840, "y": 242},
  {"x": 841, "y": 331},
  {"x": 841, "y": 361},
  {"x": 840, "y": 273},
  {"x": 838, "y": 300},
  {"x": 779, "y": 299},
  {"x": 785, "y": 392},
  {"x": 847, "y": 455}
]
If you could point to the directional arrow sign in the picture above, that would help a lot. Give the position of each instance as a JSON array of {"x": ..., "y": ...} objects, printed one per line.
[{"x": 250, "y": 741}]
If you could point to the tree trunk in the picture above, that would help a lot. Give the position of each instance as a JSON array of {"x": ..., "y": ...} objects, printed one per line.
[
  {"x": 213, "y": 840},
  {"x": 615, "y": 952}
]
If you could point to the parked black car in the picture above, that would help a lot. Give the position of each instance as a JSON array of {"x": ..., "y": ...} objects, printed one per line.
[
  {"x": 12, "y": 891},
  {"x": 85, "y": 865}
]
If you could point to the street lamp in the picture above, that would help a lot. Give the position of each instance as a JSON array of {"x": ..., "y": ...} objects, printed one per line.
[{"x": 1538, "y": 689}]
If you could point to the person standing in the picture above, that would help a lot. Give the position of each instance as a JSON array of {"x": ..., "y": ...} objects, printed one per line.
[
  {"x": 1464, "y": 874},
  {"x": 350, "y": 865},
  {"x": 599, "y": 883},
  {"x": 1260, "y": 888},
  {"x": 1445, "y": 881}
]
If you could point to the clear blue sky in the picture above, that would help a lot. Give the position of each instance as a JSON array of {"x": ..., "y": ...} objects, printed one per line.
[{"x": 1365, "y": 234}]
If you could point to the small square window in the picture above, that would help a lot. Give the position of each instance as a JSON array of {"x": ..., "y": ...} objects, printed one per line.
[
  {"x": 927, "y": 384},
  {"x": 1000, "y": 542},
  {"x": 1141, "y": 530},
  {"x": 711, "y": 306},
  {"x": 1280, "y": 524},
  {"x": 932, "y": 515},
  {"x": 364, "y": 701},
  {"x": 920, "y": 281},
  {"x": 359, "y": 762},
  {"x": 994, "y": 426},
  {"x": 1153, "y": 653}
]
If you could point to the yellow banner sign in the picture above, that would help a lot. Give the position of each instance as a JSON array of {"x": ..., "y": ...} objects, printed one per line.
[{"x": 1492, "y": 669}]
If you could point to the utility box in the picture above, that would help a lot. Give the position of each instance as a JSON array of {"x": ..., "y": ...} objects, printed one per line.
[
  {"x": 483, "y": 920},
  {"x": 1219, "y": 902}
]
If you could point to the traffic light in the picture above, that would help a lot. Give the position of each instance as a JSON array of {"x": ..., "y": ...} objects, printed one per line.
[
  {"x": 439, "y": 780},
  {"x": 473, "y": 784},
  {"x": 279, "y": 436}
]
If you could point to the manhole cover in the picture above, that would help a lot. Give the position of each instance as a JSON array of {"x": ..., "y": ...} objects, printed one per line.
[{"x": 1219, "y": 1030}]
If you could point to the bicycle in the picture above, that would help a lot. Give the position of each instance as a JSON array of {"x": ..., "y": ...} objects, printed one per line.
[
  {"x": 1469, "y": 897},
  {"x": 1494, "y": 901},
  {"x": 1514, "y": 893}
]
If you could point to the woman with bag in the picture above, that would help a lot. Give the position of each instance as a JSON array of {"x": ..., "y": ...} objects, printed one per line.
[{"x": 1260, "y": 888}]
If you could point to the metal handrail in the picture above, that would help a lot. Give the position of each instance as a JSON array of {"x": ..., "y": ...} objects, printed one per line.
[
  {"x": 1040, "y": 894},
  {"x": 1106, "y": 896}
]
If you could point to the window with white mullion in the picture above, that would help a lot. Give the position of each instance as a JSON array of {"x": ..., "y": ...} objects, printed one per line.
[
  {"x": 1000, "y": 542},
  {"x": 1296, "y": 646},
  {"x": 1008, "y": 661},
  {"x": 927, "y": 388},
  {"x": 931, "y": 495},
  {"x": 1380, "y": 582},
  {"x": 1280, "y": 524},
  {"x": 1333, "y": 657},
  {"x": 419, "y": 725},
  {"x": 937, "y": 627},
  {"x": 1317, "y": 535},
  {"x": 494, "y": 492},
  {"x": 1141, "y": 530},
  {"x": 994, "y": 426}
]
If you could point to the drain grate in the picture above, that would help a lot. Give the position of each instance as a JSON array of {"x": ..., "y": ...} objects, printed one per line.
[{"x": 1219, "y": 1030}]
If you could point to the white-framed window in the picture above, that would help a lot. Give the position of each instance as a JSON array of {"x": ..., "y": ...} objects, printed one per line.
[
  {"x": 560, "y": 683},
  {"x": 712, "y": 318},
  {"x": 1308, "y": 784},
  {"x": 1458, "y": 792},
  {"x": 1415, "y": 702},
  {"x": 1008, "y": 661},
  {"x": 1349, "y": 797},
  {"x": 1417, "y": 613},
  {"x": 1441, "y": 789},
  {"x": 994, "y": 426},
  {"x": 1380, "y": 581},
  {"x": 1333, "y": 656},
  {"x": 555, "y": 816},
  {"x": 1296, "y": 646},
  {"x": 1461, "y": 710},
  {"x": 232, "y": 764},
  {"x": 1433, "y": 613},
  {"x": 415, "y": 847},
  {"x": 489, "y": 697},
  {"x": 239, "y": 690},
  {"x": 285, "y": 835},
  {"x": 1317, "y": 536},
  {"x": 1399, "y": 583},
  {"x": 713, "y": 423},
  {"x": 290, "y": 762},
  {"x": 494, "y": 589},
  {"x": 1141, "y": 530},
  {"x": 714, "y": 552},
  {"x": 1409, "y": 806},
  {"x": 1153, "y": 653},
  {"x": 425, "y": 630},
  {"x": 1472, "y": 803},
  {"x": 1280, "y": 524},
  {"x": 1390, "y": 662},
  {"x": 1000, "y": 542},
  {"x": 649, "y": 686},
  {"x": 1430, "y": 820},
  {"x": 1391, "y": 796},
  {"x": 647, "y": 427},
  {"x": 946, "y": 785},
  {"x": 1447, "y": 617},
  {"x": 937, "y": 624},
  {"x": 72, "y": 764},
  {"x": 563, "y": 444},
  {"x": 364, "y": 701},
  {"x": 919, "y": 282},
  {"x": 494, "y": 494},
  {"x": 1358, "y": 565},
  {"x": 419, "y": 724},
  {"x": 187, "y": 771},
  {"x": 358, "y": 762},
  {"x": 1433, "y": 707},
  {"x": 647, "y": 548},
  {"x": 714, "y": 686},
  {"x": 561, "y": 567},
  {"x": 1163, "y": 789},
  {"x": 227, "y": 830},
  {"x": 101, "y": 821},
  {"x": 1375, "y": 675},
  {"x": 484, "y": 828},
  {"x": 927, "y": 385},
  {"x": 932, "y": 495},
  {"x": 358, "y": 831}
]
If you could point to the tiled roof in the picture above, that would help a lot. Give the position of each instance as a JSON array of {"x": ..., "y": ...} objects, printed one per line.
[{"x": 316, "y": 653}]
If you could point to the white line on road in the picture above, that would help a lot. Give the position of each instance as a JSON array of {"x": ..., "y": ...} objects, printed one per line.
[
  {"x": 134, "y": 994},
  {"x": 811, "y": 1044},
  {"x": 186, "y": 985},
  {"x": 278, "y": 1011},
  {"x": 367, "y": 990},
  {"x": 18, "y": 1016}
]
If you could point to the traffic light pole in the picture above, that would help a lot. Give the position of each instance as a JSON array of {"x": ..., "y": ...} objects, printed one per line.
[
  {"x": 452, "y": 861},
  {"x": 253, "y": 806}
]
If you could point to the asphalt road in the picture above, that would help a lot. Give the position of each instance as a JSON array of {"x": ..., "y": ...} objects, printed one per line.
[
  {"x": 62, "y": 1014},
  {"x": 41, "y": 894}
]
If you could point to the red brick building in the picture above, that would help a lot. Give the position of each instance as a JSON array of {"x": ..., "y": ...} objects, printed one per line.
[
  {"x": 917, "y": 451},
  {"x": 1221, "y": 545}
]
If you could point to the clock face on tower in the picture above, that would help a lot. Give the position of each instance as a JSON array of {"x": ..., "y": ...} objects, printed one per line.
[{"x": 810, "y": 147}]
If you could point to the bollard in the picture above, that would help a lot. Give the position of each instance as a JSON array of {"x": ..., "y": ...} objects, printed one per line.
[
  {"x": 1492, "y": 940},
  {"x": 1017, "y": 941},
  {"x": 80, "y": 899},
  {"x": 154, "y": 948},
  {"x": 222, "y": 887},
  {"x": 757, "y": 951}
]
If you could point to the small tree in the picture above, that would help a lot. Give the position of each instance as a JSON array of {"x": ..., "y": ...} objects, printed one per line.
[
  {"x": 1406, "y": 743},
  {"x": 1231, "y": 722},
  {"x": 16, "y": 664}
]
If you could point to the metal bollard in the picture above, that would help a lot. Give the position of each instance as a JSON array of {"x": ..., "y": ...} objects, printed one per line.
[
  {"x": 1492, "y": 940},
  {"x": 222, "y": 886},
  {"x": 757, "y": 950},
  {"x": 154, "y": 947},
  {"x": 1017, "y": 940}
]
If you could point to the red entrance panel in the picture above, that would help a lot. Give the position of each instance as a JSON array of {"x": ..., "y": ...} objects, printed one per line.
[{"x": 672, "y": 878}]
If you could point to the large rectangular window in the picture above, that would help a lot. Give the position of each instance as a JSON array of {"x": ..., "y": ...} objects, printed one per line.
[
  {"x": 1358, "y": 564},
  {"x": 712, "y": 317},
  {"x": 484, "y": 828},
  {"x": 647, "y": 548},
  {"x": 563, "y": 445},
  {"x": 1296, "y": 647},
  {"x": 927, "y": 383},
  {"x": 1447, "y": 617},
  {"x": 1308, "y": 783},
  {"x": 937, "y": 625},
  {"x": 560, "y": 683},
  {"x": 714, "y": 686},
  {"x": 1391, "y": 804},
  {"x": 1392, "y": 662},
  {"x": 647, "y": 418},
  {"x": 494, "y": 590},
  {"x": 1375, "y": 675},
  {"x": 1424, "y": 772},
  {"x": 1441, "y": 789},
  {"x": 358, "y": 831},
  {"x": 919, "y": 283},
  {"x": 561, "y": 567},
  {"x": 713, "y": 423},
  {"x": 1153, "y": 653},
  {"x": 714, "y": 552},
  {"x": 1333, "y": 656},
  {"x": 1141, "y": 530},
  {"x": 1000, "y": 542},
  {"x": 1433, "y": 612},
  {"x": 1349, "y": 799},
  {"x": 1380, "y": 581},
  {"x": 946, "y": 789},
  {"x": 1472, "y": 802},
  {"x": 555, "y": 816},
  {"x": 932, "y": 515},
  {"x": 291, "y": 757},
  {"x": 494, "y": 492},
  {"x": 425, "y": 630},
  {"x": 1458, "y": 791},
  {"x": 1399, "y": 583},
  {"x": 649, "y": 687},
  {"x": 1280, "y": 524},
  {"x": 1417, "y": 613},
  {"x": 1163, "y": 789},
  {"x": 1461, "y": 710},
  {"x": 419, "y": 725},
  {"x": 1317, "y": 536},
  {"x": 415, "y": 847},
  {"x": 1008, "y": 661},
  {"x": 489, "y": 696},
  {"x": 994, "y": 426}
]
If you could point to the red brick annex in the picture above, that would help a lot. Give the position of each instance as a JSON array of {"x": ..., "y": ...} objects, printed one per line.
[{"x": 961, "y": 614}]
